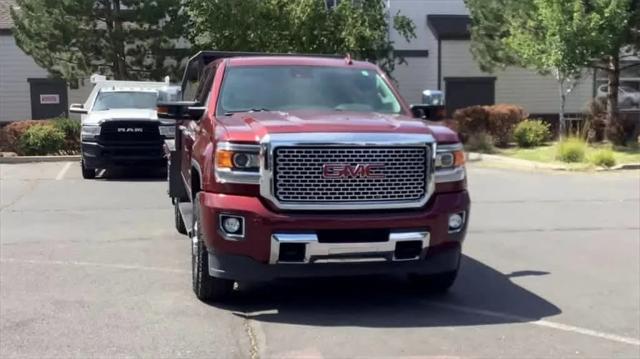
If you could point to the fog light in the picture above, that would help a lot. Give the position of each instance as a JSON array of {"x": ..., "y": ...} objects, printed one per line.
[
  {"x": 232, "y": 226},
  {"x": 456, "y": 221}
]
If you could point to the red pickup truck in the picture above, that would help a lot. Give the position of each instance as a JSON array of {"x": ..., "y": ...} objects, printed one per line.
[{"x": 290, "y": 166}]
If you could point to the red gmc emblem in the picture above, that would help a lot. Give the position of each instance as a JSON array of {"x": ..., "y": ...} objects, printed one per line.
[{"x": 345, "y": 170}]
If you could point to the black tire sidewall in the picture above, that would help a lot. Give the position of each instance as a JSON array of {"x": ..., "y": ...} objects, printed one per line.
[
  {"x": 86, "y": 172},
  {"x": 179, "y": 222}
]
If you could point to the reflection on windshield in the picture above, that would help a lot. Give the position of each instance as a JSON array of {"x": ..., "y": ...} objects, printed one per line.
[
  {"x": 285, "y": 88},
  {"x": 122, "y": 99}
]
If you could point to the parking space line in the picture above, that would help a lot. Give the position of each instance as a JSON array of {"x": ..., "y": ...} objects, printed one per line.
[
  {"x": 540, "y": 323},
  {"x": 63, "y": 171},
  {"x": 91, "y": 264}
]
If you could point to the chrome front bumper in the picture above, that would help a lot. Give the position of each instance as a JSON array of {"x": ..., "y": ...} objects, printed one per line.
[{"x": 316, "y": 252}]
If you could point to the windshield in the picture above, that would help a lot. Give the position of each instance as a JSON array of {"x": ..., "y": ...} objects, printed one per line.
[
  {"x": 285, "y": 88},
  {"x": 125, "y": 99}
]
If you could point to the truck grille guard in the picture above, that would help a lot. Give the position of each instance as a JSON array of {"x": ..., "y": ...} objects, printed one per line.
[{"x": 292, "y": 169}]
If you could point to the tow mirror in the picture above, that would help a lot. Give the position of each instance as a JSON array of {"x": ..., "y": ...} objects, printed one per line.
[
  {"x": 78, "y": 108},
  {"x": 180, "y": 110},
  {"x": 429, "y": 112}
]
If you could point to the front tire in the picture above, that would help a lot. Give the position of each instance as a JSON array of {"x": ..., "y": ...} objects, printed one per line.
[
  {"x": 206, "y": 287},
  {"x": 87, "y": 173},
  {"x": 179, "y": 221}
]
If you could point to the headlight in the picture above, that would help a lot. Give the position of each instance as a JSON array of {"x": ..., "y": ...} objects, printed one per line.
[
  {"x": 168, "y": 131},
  {"x": 237, "y": 163},
  {"x": 449, "y": 157},
  {"x": 237, "y": 160},
  {"x": 449, "y": 163},
  {"x": 89, "y": 133}
]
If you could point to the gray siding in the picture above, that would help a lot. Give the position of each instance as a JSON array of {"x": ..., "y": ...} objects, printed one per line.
[
  {"x": 15, "y": 68},
  {"x": 536, "y": 93},
  {"x": 420, "y": 74}
]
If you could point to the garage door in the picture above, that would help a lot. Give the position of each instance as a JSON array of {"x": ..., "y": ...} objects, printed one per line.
[{"x": 461, "y": 92}]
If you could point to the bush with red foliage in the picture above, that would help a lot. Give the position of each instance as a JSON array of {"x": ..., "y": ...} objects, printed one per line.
[
  {"x": 11, "y": 133},
  {"x": 498, "y": 121}
]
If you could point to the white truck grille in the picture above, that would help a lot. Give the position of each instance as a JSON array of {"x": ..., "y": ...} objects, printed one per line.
[{"x": 397, "y": 174}]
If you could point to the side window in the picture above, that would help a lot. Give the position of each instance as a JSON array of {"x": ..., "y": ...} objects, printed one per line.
[
  {"x": 192, "y": 83},
  {"x": 204, "y": 87}
]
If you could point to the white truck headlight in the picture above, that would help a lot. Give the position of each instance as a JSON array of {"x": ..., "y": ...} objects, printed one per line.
[
  {"x": 168, "y": 131},
  {"x": 89, "y": 132}
]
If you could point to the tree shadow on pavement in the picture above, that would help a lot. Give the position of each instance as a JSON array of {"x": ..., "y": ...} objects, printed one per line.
[
  {"x": 481, "y": 295},
  {"x": 134, "y": 174}
]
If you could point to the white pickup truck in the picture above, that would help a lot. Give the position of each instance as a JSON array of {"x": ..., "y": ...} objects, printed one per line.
[{"x": 120, "y": 126}]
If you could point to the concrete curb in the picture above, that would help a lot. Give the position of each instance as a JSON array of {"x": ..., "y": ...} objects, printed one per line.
[
  {"x": 33, "y": 159},
  {"x": 508, "y": 162},
  {"x": 627, "y": 166}
]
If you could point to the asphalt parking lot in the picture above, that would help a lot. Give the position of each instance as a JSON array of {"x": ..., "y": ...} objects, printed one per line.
[{"x": 95, "y": 269}]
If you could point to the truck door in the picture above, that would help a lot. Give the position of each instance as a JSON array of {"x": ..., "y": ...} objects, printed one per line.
[{"x": 189, "y": 129}]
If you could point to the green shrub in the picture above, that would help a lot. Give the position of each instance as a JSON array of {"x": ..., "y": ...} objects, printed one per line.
[
  {"x": 480, "y": 142},
  {"x": 41, "y": 140},
  {"x": 11, "y": 133},
  {"x": 71, "y": 129},
  {"x": 603, "y": 158},
  {"x": 531, "y": 133},
  {"x": 571, "y": 150},
  {"x": 497, "y": 121}
]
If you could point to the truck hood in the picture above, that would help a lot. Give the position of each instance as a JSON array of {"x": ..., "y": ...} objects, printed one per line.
[
  {"x": 97, "y": 117},
  {"x": 252, "y": 127}
]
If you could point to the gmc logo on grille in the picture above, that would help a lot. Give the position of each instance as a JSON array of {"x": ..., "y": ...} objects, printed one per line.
[
  {"x": 345, "y": 170},
  {"x": 129, "y": 129}
]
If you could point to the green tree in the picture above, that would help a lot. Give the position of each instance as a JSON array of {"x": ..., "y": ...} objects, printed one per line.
[
  {"x": 616, "y": 36},
  {"x": 556, "y": 36},
  {"x": 550, "y": 37},
  {"x": 360, "y": 28},
  {"x": 490, "y": 25},
  {"x": 126, "y": 39}
]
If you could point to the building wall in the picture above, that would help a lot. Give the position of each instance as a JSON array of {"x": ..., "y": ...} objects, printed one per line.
[
  {"x": 15, "y": 68},
  {"x": 536, "y": 93},
  {"x": 420, "y": 73}
]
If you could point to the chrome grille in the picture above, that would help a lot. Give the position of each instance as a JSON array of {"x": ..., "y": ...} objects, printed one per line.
[{"x": 298, "y": 174}]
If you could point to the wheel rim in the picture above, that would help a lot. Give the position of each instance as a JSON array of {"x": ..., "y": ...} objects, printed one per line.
[{"x": 194, "y": 248}]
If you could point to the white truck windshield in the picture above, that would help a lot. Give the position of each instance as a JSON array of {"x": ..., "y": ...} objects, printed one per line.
[{"x": 125, "y": 99}]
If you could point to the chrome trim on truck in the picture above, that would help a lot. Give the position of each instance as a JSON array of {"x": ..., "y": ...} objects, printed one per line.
[
  {"x": 271, "y": 142},
  {"x": 316, "y": 252},
  {"x": 450, "y": 175}
]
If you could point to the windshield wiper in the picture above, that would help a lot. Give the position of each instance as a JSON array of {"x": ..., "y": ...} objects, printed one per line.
[{"x": 261, "y": 109}]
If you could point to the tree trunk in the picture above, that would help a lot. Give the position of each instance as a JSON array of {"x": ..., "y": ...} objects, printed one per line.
[
  {"x": 563, "y": 103},
  {"x": 114, "y": 31},
  {"x": 119, "y": 49},
  {"x": 614, "y": 85}
]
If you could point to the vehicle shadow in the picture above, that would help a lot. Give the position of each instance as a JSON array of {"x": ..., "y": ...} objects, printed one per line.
[
  {"x": 133, "y": 174},
  {"x": 481, "y": 295}
]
